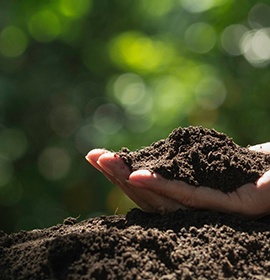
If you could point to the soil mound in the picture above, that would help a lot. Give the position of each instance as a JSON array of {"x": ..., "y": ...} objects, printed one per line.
[
  {"x": 179, "y": 245},
  {"x": 200, "y": 157},
  {"x": 186, "y": 244}
]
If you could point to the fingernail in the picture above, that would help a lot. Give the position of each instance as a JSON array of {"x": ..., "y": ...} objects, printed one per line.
[
  {"x": 264, "y": 179},
  {"x": 104, "y": 167}
]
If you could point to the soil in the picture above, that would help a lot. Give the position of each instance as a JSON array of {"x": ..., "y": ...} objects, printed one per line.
[
  {"x": 186, "y": 244},
  {"x": 200, "y": 157}
]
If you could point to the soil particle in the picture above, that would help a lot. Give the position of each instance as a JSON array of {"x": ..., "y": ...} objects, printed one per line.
[
  {"x": 200, "y": 157},
  {"x": 186, "y": 244}
]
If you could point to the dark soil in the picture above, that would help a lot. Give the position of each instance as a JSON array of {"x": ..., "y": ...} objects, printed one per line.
[
  {"x": 179, "y": 245},
  {"x": 186, "y": 244},
  {"x": 200, "y": 157}
]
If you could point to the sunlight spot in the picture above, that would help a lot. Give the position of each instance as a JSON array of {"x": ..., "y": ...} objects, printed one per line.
[
  {"x": 210, "y": 93},
  {"x": 231, "y": 38},
  {"x": 13, "y": 42},
  {"x": 156, "y": 8},
  {"x": 87, "y": 137},
  {"x": 200, "y": 37},
  {"x": 141, "y": 107},
  {"x": 136, "y": 51},
  {"x": 54, "y": 163},
  {"x": 129, "y": 89},
  {"x": 259, "y": 16},
  {"x": 107, "y": 119},
  {"x": 255, "y": 46},
  {"x": 64, "y": 120},
  {"x": 75, "y": 8},
  {"x": 44, "y": 26},
  {"x": 195, "y": 6}
]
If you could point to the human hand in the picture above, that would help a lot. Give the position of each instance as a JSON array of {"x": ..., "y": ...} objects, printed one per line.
[{"x": 153, "y": 193}]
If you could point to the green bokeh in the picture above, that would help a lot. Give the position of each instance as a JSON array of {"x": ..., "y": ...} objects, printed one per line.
[{"x": 75, "y": 75}]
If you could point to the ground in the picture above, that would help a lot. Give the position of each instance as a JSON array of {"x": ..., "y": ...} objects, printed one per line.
[{"x": 186, "y": 244}]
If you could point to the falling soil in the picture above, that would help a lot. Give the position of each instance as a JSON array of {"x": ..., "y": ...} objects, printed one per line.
[
  {"x": 200, "y": 157},
  {"x": 186, "y": 244}
]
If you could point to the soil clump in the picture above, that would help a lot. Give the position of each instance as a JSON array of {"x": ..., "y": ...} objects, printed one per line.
[
  {"x": 200, "y": 157},
  {"x": 186, "y": 244}
]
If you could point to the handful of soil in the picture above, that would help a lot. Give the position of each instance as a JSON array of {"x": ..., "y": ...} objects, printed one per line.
[{"x": 200, "y": 157}]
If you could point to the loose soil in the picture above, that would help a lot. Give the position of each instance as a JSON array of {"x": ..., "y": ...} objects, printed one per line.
[
  {"x": 184, "y": 244},
  {"x": 200, "y": 157}
]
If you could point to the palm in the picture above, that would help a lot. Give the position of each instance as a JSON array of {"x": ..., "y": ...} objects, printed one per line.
[{"x": 153, "y": 193}]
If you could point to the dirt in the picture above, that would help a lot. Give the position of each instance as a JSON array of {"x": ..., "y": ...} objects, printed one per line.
[
  {"x": 185, "y": 244},
  {"x": 200, "y": 157}
]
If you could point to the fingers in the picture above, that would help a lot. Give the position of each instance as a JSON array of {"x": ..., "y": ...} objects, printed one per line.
[
  {"x": 154, "y": 202},
  {"x": 264, "y": 180},
  {"x": 93, "y": 156},
  {"x": 146, "y": 199},
  {"x": 114, "y": 166},
  {"x": 264, "y": 148},
  {"x": 117, "y": 172},
  {"x": 152, "y": 192},
  {"x": 174, "y": 190},
  {"x": 185, "y": 194}
]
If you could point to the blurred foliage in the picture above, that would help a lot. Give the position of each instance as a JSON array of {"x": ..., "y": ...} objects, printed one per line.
[{"x": 75, "y": 75}]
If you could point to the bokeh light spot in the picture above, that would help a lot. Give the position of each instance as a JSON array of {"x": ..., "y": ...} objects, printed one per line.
[
  {"x": 255, "y": 46},
  {"x": 129, "y": 88},
  {"x": 195, "y": 6},
  {"x": 138, "y": 52},
  {"x": 259, "y": 16},
  {"x": 200, "y": 37},
  {"x": 138, "y": 124},
  {"x": 89, "y": 137},
  {"x": 54, "y": 163},
  {"x": 13, "y": 42},
  {"x": 169, "y": 99},
  {"x": 75, "y": 8},
  {"x": 13, "y": 143},
  {"x": 44, "y": 26},
  {"x": 210, "y": 93},
  {"x": 107, "y": 119},
  {"x": 231, "y": 37},
  {"x": 141, "y": 107},
  {"x": 64, "y": 120},
  {"x": 155, "y": 8}
]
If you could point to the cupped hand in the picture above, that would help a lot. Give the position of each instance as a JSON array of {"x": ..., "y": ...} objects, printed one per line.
[{"x": 152, "y": 192}]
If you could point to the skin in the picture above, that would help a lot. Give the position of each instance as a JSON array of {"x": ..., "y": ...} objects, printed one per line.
[{"x": 153, "y": 193}]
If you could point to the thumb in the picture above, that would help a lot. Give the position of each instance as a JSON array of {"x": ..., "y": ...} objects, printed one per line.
[
  {"x": 264, "y": 180},
  {"x": 264, "y": 148}
]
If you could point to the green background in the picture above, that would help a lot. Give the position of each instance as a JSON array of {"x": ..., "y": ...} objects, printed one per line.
[{"x": 80, "y": 74}]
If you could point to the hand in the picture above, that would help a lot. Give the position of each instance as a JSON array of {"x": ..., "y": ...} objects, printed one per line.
[{"x": 153, "y": 193}]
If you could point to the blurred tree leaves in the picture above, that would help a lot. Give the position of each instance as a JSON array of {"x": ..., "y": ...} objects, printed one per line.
[{"x": 75, "y": 75}]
